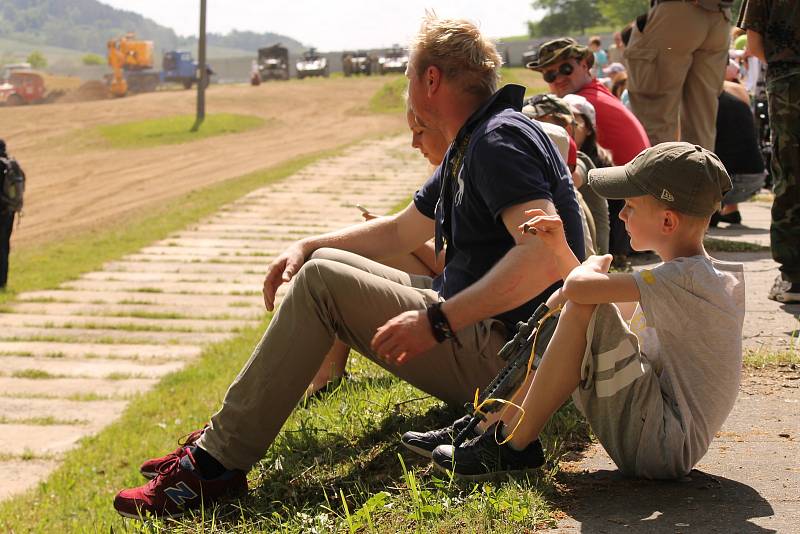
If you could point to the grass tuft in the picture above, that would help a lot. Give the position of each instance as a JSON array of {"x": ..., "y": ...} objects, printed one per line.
[
  {"x": 175, "y": 130},
  {"x": 391, "y": 97}
]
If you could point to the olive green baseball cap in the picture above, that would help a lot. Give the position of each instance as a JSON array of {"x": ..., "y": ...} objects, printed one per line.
[
  {"x": 558, "y": 50},
  {"x": 547, "y": 104},
  {"x": 687, "y": 178}
]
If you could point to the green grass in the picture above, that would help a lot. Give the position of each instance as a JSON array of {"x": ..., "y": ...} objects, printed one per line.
[
  {"x": 174, "y": 130},
  {"x": 391, "y": 97},
  {"x": 759, "y": 359},
  {"x": 527, "y": 78},
  {"x": 48, "y": 265},
  {"x": 726, "y": 245},
  {"x": 337, "y": 464}
]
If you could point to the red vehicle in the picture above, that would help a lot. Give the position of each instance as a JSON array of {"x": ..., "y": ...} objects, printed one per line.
[{"x": 22, "y": 87}]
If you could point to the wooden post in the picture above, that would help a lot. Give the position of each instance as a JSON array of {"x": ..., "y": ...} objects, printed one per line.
[{"x": 201, "y": 66}]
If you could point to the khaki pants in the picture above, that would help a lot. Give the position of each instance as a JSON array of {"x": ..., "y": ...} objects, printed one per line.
[
  {"x": 675, "y": 69},
  {"x": 337, "y": 293}
]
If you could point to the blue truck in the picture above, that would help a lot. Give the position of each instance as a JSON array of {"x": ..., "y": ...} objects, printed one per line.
[{"x": 179, "y": 66}]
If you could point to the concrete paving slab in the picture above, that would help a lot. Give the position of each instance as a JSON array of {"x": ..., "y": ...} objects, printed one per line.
[
  {"x": 108, "y": 336},
  {"x": 22, "y": 475},
  {"x": 161, "y": 311},
  {"x": 253, "y": 286},
  {"x": 54, "y": 349},
  {"x": 87, "y": 368},
  {"x": 145, "y": 279},
  {"x": 189, "y": 259},
  {"x": 217, "y": 302},
  {"x": 94, "y": 413},
  {"x": 40, "y": 440},
  {"x": 72, "y": 387},
  {"x": 79, "y": 321},
  {"x": 180, "y": 267}
]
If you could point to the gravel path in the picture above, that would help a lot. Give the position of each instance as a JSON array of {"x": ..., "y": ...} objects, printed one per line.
[{"x": 105, "y": 333}]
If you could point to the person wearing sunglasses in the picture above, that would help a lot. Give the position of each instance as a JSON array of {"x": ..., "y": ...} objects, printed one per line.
[{"x": 566, "y": 67}]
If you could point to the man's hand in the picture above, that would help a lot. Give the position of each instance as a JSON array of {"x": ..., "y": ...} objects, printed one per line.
[
  {"x": 403, "y": 337},
  {"x": 550, "y": 230},
  {"x": 281, "y": 270}
]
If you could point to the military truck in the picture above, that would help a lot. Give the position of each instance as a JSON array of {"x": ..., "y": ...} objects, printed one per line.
[
  {"x": 360, "y": 62},
  {"x": 394, "y": 60},
  {"x": 273, "y": 63},
  {"x": 312, "y": 64}
]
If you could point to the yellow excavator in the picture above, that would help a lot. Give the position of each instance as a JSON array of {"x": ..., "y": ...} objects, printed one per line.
[{"x": 132, "y": 62}]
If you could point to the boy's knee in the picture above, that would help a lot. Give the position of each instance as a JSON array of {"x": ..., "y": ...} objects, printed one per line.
[{"x": 574, "y": 309}]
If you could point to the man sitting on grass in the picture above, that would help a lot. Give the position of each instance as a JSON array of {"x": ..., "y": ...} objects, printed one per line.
[
  {"x": 441, "y": 335},
  {"x": 655, "y": 390}
]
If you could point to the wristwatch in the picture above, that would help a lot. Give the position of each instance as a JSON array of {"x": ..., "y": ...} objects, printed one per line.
[{"x": 439, "y": 323}]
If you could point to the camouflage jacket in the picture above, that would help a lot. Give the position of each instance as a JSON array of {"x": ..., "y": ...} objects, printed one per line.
[{"x": 778, "y": 21}]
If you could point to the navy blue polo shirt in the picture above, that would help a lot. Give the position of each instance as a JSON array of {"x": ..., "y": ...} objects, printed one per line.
[{"x": 508, "y": 160}]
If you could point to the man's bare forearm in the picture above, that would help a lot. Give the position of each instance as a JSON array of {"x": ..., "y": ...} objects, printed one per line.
[
  {"x": 523, "y": 273},
  {"x": 380, "y": 237}
]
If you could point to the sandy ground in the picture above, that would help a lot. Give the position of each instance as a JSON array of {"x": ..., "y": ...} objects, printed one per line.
[{"x": 76, "y": 183}]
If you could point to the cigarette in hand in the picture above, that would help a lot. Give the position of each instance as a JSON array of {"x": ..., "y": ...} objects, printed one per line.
[{"x": 528, "y": 228}]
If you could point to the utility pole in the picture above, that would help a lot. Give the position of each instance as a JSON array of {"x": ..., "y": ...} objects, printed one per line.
[{"x": 203, "y": 74}]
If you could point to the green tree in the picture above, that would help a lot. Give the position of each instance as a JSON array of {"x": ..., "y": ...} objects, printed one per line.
[
  {"x": 37, "y": 60},
  {"x": 621, "y": 12},
  {"x": 565, "y": 16},
  {"x": 93, "y": 59}
]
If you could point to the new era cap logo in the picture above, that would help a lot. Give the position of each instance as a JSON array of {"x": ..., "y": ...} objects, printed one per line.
[{"x": 666, "y": 195}]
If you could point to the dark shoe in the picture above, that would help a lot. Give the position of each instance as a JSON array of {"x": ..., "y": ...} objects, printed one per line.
[
  {"x": 481, "y": 458},
  {"x": 424, "y": 442},
  {"x": 177, "y": 489},
  {"x": 149, "y": 469},
  {"x": 733, "y": 217},
  {"x": 714, "y": 220},
  {"x": 784, "y": 291}
]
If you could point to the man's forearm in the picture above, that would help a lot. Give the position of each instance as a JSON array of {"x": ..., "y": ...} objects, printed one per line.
[
  {"x": 368, "y": 239},
  {"x": 523, "y": 273}
]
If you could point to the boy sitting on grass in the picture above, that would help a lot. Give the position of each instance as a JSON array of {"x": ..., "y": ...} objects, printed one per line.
[{"x": 655, "y": 390}]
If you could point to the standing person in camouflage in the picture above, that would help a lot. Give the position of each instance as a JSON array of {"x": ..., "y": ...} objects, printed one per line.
[
  {"x": 773, "y": 35},
  {"x": 676, "y": 63},
  {"x": 12, "y": 186}
]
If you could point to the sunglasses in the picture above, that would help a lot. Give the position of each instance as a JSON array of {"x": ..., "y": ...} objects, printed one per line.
[{"x": 551, "y": 75}]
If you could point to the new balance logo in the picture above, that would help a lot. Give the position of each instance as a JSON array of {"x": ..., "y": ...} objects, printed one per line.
[
  {"x": 180, "y": 493},
  {"x": 666, "y": 195}
]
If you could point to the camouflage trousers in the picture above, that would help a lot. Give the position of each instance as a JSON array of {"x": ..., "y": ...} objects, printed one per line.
[{"x": 784, "y": 119}]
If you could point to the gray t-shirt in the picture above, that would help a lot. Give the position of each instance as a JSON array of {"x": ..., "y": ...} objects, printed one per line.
[{"x": 689, "y": 324}]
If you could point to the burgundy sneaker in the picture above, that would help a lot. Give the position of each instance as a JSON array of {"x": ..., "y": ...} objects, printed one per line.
[
  {"x": 149, "y": 469},
  {"x": 177, "y": 489}
]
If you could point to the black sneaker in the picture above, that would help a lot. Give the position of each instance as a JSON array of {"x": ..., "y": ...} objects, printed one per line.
[
  {"x": 424, "y": 442},
  {"x": 481, "y": 458}
]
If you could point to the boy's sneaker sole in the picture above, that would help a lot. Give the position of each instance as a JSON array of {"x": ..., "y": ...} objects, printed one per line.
[{"x": 488, "y": 477}]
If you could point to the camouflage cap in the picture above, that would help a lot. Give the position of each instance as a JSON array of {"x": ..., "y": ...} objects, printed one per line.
[
  {"x": 558, "y": 50},
  {"x": 687, "y": 178},
  {"x": 547, "y": 104}
]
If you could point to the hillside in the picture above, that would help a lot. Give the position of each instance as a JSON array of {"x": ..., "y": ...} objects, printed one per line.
[{"x": 86, "y": 25}]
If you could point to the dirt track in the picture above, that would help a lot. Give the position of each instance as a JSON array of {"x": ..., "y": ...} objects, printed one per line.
[{"x": 76, "y": 183}]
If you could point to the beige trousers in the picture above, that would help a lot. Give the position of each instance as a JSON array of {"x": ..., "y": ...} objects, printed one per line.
[
  {"x": 337, "y": 293},
  {"x": 675, "y": 72}
]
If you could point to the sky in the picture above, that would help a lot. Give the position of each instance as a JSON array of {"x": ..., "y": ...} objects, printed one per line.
[{"x": 333, "y": 25}]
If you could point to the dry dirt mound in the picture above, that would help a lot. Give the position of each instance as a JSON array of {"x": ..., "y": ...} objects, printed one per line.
[{"x": 87, "y": 92}]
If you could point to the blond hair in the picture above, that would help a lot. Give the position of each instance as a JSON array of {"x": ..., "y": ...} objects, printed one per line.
[{"x": 457, "y": 47}]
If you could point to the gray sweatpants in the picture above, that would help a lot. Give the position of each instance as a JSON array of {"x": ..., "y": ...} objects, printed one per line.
[{"x": 339, "y": 294}]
